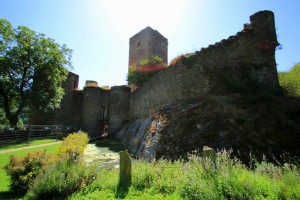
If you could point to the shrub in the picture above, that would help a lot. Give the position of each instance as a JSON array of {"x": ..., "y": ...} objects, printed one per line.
[
  {"x": 188, "y": 60},
  {"x": 290, "y": 182},
  {"x": 226, "y": 178},
  {"x": 61, "y": 179},
  {"x": 138, "y": 75},
  {"x": 74, "y": 143},
  {"x": 22, "y": 171},
  {"x": 290, "y": 81},
  {"x": 104, "y": 187},
  {"x": 143, "y": 174}
]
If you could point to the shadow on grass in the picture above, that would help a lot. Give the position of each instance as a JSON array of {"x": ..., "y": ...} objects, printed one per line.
[
  {"x": 112, "y": 145},
  {"x": 122, "y": 191},
  {"x": 19, "y": 143},
  {"x": 9, "y": 195}
]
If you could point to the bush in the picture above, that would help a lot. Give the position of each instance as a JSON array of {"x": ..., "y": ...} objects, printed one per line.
[
  {"x": 104, "y": 186},
  {"x": 290, "y": 182},
  {"x": 290, "y": 81},
  {"x": 61, "y": 179},
  {"x": 74, "y": 142},
  {"x": 22, "y": 171},
  {"x": 138, "y": 75}
]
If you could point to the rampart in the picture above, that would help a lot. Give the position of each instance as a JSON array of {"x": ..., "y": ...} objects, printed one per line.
[{"x": 241, "y": 61}]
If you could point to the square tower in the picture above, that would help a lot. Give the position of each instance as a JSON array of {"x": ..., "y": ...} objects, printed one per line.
[{"x": 146, "y": 44}]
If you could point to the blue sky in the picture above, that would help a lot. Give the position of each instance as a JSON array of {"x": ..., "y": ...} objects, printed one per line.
[{"x": 98, "y": 31}]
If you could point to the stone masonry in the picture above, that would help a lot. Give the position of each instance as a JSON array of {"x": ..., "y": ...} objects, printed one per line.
[{"x": 245, "y": 59}]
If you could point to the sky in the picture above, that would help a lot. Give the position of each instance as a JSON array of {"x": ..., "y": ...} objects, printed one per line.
[{"x": 98, "y": 31}]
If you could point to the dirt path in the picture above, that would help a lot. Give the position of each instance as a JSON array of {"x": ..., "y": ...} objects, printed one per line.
[
  {"x": 102, "y": 157},
  {"x": 29, "y": 147}
]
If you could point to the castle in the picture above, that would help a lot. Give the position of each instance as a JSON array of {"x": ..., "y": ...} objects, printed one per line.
[{"x": 244, "y": 59}]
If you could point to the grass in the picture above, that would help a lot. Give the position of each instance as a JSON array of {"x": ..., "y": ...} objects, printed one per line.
[
  {"x": 24, "y": 144},
  {"x": 198, "y": 178},
  {"x": 4, "y": 159}
]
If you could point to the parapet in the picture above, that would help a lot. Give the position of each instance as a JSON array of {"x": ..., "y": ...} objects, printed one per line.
[{"x": 90, "y": 83}]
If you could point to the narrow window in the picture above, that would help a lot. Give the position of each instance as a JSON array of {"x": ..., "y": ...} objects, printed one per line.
[{"x": 75, "y": 85}]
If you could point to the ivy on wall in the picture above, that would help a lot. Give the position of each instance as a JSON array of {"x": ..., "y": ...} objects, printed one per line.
[{"x": 138, "y": 75}]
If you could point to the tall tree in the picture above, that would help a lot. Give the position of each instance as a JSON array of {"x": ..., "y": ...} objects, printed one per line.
[{"x": 32, "y": 70}]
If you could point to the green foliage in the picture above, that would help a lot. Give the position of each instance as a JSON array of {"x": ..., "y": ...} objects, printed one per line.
[
  {"x": 74, "y": 143},
  {"x": 4, "y": 160},
  {"x": 290, "y": 182},
  {"x": 189, "y": 59},
  {"x": 151, "y": 61},
  {"x": 32, "y": 70},
  {"x": 138, "y": 75},
  {"x": 61, "y": 179},
  {"x": 22, "y": 171},
  {"x": 197, "y": 178},
  {"x": 290, "y": 81}
]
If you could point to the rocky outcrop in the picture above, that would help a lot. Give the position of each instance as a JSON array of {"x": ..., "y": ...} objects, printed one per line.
[
  {"x": 238, "y": 122},
  {"x": 137, "y": 139},
  {"x": 224, "y": 96}
]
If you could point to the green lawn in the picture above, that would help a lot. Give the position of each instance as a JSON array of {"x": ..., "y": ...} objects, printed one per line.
[
  {"x": 23, "y": 144},
  {"x": 4, "y": 159}
]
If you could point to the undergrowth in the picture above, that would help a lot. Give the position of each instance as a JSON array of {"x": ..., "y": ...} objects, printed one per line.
[
  {"x": 225, "y": 178},
  {"x": 41, "y": 175}
]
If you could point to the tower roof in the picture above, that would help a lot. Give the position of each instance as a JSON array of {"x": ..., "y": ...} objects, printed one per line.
[{"x": 148, "y": 29}]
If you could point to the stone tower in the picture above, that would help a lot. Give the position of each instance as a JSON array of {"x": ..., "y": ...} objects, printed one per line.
[{"x": 146, "y": 44}]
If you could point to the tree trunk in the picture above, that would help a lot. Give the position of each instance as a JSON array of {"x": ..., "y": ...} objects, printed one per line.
[{"x": 13, "y": 120}]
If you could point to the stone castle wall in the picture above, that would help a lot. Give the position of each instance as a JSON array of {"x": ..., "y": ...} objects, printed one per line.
[
  {"x": 94, "y": 110},
  {"x": 118, "y": 107},
  {"x": 245, "y": 59},
  {"x": 238, "y": 63},
  {"x": 67, "y": 105},
  {"x": 70, "y": 107}
]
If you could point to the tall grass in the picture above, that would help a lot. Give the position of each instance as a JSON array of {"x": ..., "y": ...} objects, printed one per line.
[{"x": 226, "y": 178}]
